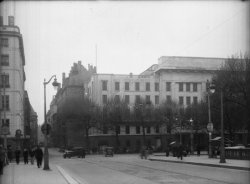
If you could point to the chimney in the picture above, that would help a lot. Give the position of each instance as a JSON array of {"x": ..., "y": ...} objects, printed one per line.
[
  {"x": 130, "y": 74},
  {"x": 63, "y": 77}
]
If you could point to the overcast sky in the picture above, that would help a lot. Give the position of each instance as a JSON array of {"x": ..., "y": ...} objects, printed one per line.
[{"x": 130, "y": 36}]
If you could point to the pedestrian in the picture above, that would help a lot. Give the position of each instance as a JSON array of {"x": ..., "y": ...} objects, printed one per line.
[
  {"x": 32, "y": 155},
  {"x": 39, "y": 156},
  {"x": 198, "y": 150},
  {"x": 17, "y": 154},
  {"x": 25, "y": 156},
  {"x": 83, "y": 153},
  {"x": 9, "y": 153},
  {"x": 167, "y": 151},
  {"x": 2, "y": 159},
  {"x": 180, "y": 150}
]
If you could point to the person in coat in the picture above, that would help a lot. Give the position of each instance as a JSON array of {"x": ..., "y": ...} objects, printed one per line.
[
  {"x": 9, "y": 154},
  {"x": 17, "y": 155},
  {"x": 32, "y": 155},
  {"x": 25, "y": 156},
  {"x": 39, "y": 156},
  {"x": 2, "y": 159}
]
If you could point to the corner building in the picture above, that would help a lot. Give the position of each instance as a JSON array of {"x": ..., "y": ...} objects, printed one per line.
[{"x": 179, "y": 79}]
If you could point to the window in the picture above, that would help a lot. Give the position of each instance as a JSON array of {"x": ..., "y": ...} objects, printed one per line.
[
  {"x": 147, "y": 86},
  {"x": 137, "y": 99},
  {"x": 126, "y": 86},
  {"x": 138, "y": 130},
  {"x": 137, "y": 86},
  {"x": 104, "y": 99},
  {"x": 187, "y": 86},
  {"x": 194, "y": 87},
  {"x": 5, "y": 102},
  {"x": 180, "y": 86},
  {"x": 127, "y": 99},
  {"x": 4, "y": 82},
  {"x": 168, "y": 99},
  {"x": 157, "y": 129},
  {"x": 1, "y": 20},
  {"x": 5, "y": 60},
  {"x": 180, "y": 100},
  {"x": 168, "y": 86},
  {"x": 118, "y": 130},
  {"x": 147, "y": 99},
  {"x": 4, "y": 42},
  {"x": 117, "y": 98},
  {"x": 156, "y": 99},
  {"x": 188, "y": 100},
  {"x": 127, "y": 129},
  {"x": 104, "y": 85},
  {"x": 117, "y": 86},
  {"x": 195, "y": 100},
  {"x": 11, "y": 21},
  {"x": 6, "y": 123},
  {"x": 148, "y": 130},
  {"x": 156, "y": 86}
]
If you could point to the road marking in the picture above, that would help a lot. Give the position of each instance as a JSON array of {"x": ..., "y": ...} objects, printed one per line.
[{"x": 69, "y": 178}]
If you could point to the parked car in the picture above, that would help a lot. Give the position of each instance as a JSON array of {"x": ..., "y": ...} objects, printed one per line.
[
  {"x": 109, "y": 151},
  {"x": 74, "y": 152}
]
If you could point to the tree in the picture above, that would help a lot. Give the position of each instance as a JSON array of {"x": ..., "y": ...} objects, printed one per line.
[
  {"x": 115, "y": 113},
  {"x": 234, "y": 80}
]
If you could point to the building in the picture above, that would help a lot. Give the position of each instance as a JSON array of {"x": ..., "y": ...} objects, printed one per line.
[
  {"x": 73, "y": 86},
  {"x": 179, "y": 79},
  {"x": 14, "y": 102}
]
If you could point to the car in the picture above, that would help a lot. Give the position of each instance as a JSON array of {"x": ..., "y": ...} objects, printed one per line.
[
  {"x": 109, "y": 151},
  {"x": 74, "y": 152}
]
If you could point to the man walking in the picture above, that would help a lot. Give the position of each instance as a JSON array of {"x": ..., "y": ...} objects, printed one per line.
[
  {"x": 17, "y": 154},
  {"x": 39, "y": 156},
  {"x": 2, "y": 159}
]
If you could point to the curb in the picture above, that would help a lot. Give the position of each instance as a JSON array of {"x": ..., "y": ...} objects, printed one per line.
[
  {"x": 203, "y": 164},
  {"x": 68, "y": 178}
]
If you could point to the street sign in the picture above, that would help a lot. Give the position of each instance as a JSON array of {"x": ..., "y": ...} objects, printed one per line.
[
  {"x": 5, "y": 130},
  {"x": 46, "y": 129},
  {"x": 210, "y": 127}
]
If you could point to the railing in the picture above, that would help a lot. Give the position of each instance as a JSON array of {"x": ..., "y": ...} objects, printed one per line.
[{"x": 241, "y": 153}]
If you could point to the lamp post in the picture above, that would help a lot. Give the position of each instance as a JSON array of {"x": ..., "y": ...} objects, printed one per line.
[
  {"x": 180, "y": 129},
  {"x": 210, "y": 90},
  {"x": 191, "y": 137},
  {"x": 46, "y": 152},
  {"x": 222, "y": 147}
]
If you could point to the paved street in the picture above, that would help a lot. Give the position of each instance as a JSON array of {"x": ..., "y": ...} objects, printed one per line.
[{"x": 122, "y": 169}]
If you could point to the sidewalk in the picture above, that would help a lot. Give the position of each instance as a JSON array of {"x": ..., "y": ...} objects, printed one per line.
[
  {"x": 30, "y": 174},
  {"x": 204, "y": 160}
]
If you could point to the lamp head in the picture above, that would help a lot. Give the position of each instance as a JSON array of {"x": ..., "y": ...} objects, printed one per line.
[
  {"x": 55, "y": 83},
  {"x": 212, "y": 88}
]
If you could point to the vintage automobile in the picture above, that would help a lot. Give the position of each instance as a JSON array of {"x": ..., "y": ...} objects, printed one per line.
[
  {"x": 109, "y": 151},
  {"x": 74, "y": 152}
]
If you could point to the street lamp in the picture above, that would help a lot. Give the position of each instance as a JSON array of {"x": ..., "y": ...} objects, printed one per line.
[
  {"x": 210, "y": 90},
  {"x": 191, "y": 136},
  {"x": 180, "y": 129},
  {"x": 46, "y": 152}
]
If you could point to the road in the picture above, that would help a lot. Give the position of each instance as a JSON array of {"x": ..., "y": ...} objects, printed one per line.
[{"x": 130, "y": 169}]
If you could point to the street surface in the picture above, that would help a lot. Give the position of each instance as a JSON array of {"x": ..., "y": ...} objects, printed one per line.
[{"x": 128, "y": 169}]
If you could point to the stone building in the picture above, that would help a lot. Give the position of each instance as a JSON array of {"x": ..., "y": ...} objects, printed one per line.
[
  {"x": 179, "y": 79},
  {"x": 12, "y": 80}
]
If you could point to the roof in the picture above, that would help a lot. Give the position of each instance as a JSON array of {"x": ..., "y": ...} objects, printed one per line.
[{"x": 190, "y": 63}]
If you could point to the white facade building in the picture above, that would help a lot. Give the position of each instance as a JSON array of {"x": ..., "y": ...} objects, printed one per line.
[
  {"x": 180, "y": 79},
  {"x": 12, "y": 75}
]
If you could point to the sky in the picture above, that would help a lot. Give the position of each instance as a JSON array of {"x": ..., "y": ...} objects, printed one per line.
[{"x": 122, "y": 36}]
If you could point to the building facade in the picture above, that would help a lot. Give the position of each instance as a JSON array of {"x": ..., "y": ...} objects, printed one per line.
[
  {"x": 15, "y": 107},
  {"x": 179, "y": 79}
]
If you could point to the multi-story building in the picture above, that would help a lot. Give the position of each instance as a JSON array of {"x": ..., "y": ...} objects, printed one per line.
[
  {"x": 12, "y": 79},
  {"x": 179, "y": 79}
]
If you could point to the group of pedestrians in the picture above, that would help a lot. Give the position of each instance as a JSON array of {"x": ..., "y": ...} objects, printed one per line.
[{"x": 6, "y": 156}]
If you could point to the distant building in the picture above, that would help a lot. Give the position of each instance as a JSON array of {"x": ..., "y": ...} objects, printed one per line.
[
  {"x": 73, "y": 86},
  {"x": 179, "y": 79}
]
